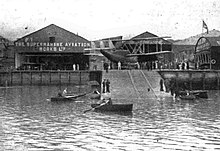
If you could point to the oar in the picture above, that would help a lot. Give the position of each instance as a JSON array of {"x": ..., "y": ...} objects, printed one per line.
[
  {"x": 76, "y": 96},
  {"x": 95, "y": 107}
]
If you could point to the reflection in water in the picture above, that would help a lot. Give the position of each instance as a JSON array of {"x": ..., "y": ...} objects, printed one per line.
[{"x": 28, "y": 121}]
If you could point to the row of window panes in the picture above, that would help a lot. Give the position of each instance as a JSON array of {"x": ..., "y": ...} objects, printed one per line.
[{"x": 203, "y": 58}]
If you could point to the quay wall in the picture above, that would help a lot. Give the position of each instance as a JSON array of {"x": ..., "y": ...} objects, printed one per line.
[
  {"x": 195, "y": 79},
  {"x": 19, "y": 78}
]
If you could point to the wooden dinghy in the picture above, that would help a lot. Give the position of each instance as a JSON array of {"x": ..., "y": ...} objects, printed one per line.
[
  {"x": 187, "y": 97},
  {"x": 197, "y": 93},
  {"x": 113, "y": 107},
  {"x": 66, "y": 98}
]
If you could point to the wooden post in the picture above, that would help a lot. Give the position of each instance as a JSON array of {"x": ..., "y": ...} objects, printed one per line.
[
  {"x": 50, "y": 76},
  {"x": 21, "y": 78},
  {"x": 218, "y": 80},
  {"x": 177, "y": 80},
  {"x": 80, "y": 77},
  {"x": 69, "y": 76},
  {"x": 6, "y": 83},
  {"x": 203, "y": 81},
  {"x": 41, "y": 78},
  {"x": 31, "y": 76},
  {"x": 1, "y": 79},
  {"x": 190, "y": 80},
  {"x": 11, "y": 79},
  {"x": 59, "y": 77}
]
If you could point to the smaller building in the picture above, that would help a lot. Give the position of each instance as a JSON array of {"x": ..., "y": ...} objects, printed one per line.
[
  {"x": 7, "y": 61},
  {"x": 148, "y": 43},
  {"x": 207, "y": 53},
  {"x": 184, "y": 50}
]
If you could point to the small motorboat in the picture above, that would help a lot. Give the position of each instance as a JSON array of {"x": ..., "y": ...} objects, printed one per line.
[
  {"x": 66, "y": 97},
  {"x": 113, "y": 107}
]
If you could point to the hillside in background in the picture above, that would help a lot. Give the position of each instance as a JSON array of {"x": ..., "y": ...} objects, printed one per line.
[{"x": 193, "y": 39}]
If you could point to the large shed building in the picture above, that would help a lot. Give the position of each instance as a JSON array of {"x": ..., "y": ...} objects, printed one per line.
[{"x": 51, "y": 48}]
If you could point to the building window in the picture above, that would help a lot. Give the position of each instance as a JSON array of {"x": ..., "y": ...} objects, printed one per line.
[{"x": 51, "y": 39}]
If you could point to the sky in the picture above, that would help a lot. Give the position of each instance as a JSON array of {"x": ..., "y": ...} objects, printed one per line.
[{"x": 97, "y": 19}]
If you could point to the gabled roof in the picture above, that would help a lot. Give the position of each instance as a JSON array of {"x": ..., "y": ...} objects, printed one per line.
[
  {"x": 49, "y": 26},
  {"x": 149, "y": 35},
  {"x": 4, "y": 40},
  {"x": 4, "y": 43},
  {"x": 145, "y": 35}
]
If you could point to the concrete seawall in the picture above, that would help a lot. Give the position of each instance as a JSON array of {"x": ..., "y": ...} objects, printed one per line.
[
  {"x": 81, "y": 77},
  {"x": 196, "y": 79}
]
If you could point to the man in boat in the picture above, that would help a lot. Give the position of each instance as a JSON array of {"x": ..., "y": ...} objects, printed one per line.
[
  {"x": 96, "y": 92},
  {"x": 64, "y": 92},
  {"x": 95, "y": 95},
  {"x": 59, "y": 94},
  {"x": 107, "y": 101}
]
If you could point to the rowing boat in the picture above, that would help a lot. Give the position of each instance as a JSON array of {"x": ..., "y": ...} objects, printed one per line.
[
  {"x": 67, "y": 97},
  {"x": 187, "y": 97},
  {"x": 198, "y": 93},
  {"x": 113, "y": 107}
]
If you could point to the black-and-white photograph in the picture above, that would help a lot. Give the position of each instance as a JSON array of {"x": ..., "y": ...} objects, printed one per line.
[{"x": 109, "y": 75}]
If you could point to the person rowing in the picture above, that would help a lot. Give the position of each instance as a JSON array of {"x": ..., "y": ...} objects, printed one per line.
[
  {"x": 106, "y": 101},
  {"x": 64, "y": 92},
  {"x": 59, "y": 94},
  {"x": 96, "y": 92}
]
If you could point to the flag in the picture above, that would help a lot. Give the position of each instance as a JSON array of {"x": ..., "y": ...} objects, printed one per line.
[{"x": 204, "y": 25}]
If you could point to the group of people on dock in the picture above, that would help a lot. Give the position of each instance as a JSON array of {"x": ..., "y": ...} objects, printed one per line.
[{"x": 107, "y": 66}]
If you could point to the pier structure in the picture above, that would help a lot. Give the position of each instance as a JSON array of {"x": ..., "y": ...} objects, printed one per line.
[
  {"x": 133, "y": 84},
  {"x": 144, "y": 84}
]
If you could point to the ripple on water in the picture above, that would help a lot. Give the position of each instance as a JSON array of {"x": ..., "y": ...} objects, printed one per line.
[{"x": 29, "y": 122}]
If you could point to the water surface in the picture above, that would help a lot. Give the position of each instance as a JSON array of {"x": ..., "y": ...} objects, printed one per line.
[{"x": 29, "y": 121}]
